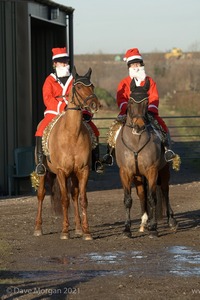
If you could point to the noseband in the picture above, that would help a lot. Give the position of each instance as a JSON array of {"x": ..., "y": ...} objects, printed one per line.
[{"x": 136, "y": 128}]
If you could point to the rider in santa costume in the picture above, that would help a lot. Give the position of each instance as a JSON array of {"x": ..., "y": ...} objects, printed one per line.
[
  {"x": 56, "y": 89},
  {"x": 137, "y": 82}
]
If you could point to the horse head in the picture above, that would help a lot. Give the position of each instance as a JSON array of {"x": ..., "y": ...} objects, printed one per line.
[
  {"x": 83, "y": 92},
  {"x": 136, "y": 114}
]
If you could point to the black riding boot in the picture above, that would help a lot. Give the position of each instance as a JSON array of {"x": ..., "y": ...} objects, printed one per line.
[
  {"x": 169, "y": 154},
  {"x": 40, "y": 168},
  {"x": 108, "y": 157},
  {"x": 165, "y": 138},
  {"x": 96, "y": 163}
]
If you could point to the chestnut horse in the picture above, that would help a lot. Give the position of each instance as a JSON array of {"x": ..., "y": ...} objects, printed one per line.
[
  {"x": 140, "y": 158},
  {"x": 70, "y": 146}
]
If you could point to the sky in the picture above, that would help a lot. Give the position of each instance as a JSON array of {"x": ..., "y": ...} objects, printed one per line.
[{"x": 113, "y": 26}]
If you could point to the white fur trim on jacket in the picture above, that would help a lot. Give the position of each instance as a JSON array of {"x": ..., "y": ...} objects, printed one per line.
[
  {"x": 152, "y": 106},
  {"x": 122, "y": 104}
]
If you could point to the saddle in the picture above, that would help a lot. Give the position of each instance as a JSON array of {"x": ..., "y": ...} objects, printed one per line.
[{"x": 48, "y": 129}]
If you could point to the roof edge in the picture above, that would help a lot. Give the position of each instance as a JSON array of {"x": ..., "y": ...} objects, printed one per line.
[{"x": 64, "y": 8}]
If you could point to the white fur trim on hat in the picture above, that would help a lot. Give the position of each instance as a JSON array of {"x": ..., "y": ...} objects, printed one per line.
[
  {"x": 60, "y": 55},
  {"x": 132, "y": 58}
]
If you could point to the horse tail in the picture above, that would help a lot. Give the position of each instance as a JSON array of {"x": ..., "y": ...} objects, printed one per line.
[
  {"x": 160, "y": 203},
  {"x": 55, "y": 195}
]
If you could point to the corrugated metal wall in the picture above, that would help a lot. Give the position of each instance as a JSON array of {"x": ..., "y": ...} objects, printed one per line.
[{"x": 27, "y": 36}]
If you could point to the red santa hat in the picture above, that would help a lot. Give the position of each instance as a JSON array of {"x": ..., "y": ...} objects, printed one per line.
[
  {"x": 133, "y": 55},
  {"x": 59, "y": 54}
]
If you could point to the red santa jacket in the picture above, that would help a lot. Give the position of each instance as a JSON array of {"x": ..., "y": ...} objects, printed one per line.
[
  {"x": 55, "y": 97},
  {"x": 55, "y": 94},
  {"x": 123, "y": 94}
]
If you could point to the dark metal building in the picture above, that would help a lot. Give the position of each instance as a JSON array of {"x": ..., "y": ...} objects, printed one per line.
[{"x": 28, "y": 32}]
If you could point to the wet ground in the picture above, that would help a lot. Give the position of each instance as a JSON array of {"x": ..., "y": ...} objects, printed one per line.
[{"x": 110, "y": 266}]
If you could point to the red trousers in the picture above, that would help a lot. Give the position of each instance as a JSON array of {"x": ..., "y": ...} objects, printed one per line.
[{"x": 161, "y": 122}]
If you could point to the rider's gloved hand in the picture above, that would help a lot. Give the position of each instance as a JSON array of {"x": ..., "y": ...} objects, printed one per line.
[
  {"x": 151, "y": 115},
  {"x": 121, "y": 118},
  {"x": 122, "y": 115}
]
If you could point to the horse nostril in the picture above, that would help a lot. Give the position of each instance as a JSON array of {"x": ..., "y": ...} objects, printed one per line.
[{"x": 137, "y": 129}]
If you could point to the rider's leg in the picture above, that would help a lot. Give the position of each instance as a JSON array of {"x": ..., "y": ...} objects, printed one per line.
[
  {"x": 169, "y": 154},
  {"x": 40, "y": 168},
  {"x": 108, "y": 157},
  {"x": 160, "y": 125},
  {"x": 96, "y": 163}
]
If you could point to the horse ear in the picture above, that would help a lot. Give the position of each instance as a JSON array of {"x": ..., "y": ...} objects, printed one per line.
[
  {"x": 74, "y": 73},
  {"x": 89, "y": 72}
]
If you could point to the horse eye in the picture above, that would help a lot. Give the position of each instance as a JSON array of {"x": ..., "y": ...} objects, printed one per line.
[{"x": 79, "y": 86}]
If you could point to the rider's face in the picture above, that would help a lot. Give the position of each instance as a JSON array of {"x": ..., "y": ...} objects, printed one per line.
[
  {"x": 60, "y": 64},
  {"x": 135, "y": 65}
]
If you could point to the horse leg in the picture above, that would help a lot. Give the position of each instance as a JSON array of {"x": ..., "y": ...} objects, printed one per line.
[
  {"x": 75, "y": 194},
  {"x": 172, "y": 223},
  {"x": 83, "y": 178},
  {"x": 126, "y": 183},
  {"x": 141, "y": 192},
  {"x": 164, "y": 176},
  {"x": 152, "y": 184},
  {"x": 40, "y": 196},
  {"x": 65, "y": 203}
]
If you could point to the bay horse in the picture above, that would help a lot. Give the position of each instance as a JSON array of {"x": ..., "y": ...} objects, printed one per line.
[
  {"x": 70, "y": 146},
  {"x": 140, "y": 158}
]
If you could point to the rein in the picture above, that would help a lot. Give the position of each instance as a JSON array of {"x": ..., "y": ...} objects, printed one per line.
[
  {"x": 72, "y": 108},
  {"x": 131, "y": 101},
  {"x": 136, "y": 152},
  {"x": 133, "y": 125}
]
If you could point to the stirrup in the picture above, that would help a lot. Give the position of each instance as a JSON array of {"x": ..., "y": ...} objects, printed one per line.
[
  {"x": 108, "y": 159},
  {"x": 169, "y": 155},
  {"x": 40, "y": 169},
  {"x": 98, "y": 167}
]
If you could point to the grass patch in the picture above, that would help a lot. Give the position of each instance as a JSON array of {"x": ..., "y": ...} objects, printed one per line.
[{"x": 103, "y": 120}]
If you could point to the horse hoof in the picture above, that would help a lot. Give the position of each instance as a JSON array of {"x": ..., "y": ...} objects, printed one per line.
[
  {"x": 78, "y": 232},
  {"x": 153, "y": 234},
  {"x": 87, "y": 237},
  {"x": 173, "y": 225},
  {"x": 64, "y": 236},
  {"x": 174, "y": 228},
  {"x": 37, "y": 232},
  {"x": 127, "y": 234},
  {"x": 142, "y": 229}
]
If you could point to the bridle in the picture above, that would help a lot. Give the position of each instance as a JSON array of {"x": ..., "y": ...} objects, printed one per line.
[
  {"x": 134, "y": 124},
  {"x": 136, "y": 129},
  {"x": 76, "y": 96}
]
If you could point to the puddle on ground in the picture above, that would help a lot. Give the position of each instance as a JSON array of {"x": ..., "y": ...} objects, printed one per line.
[{"x": 171, "y": 261}]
